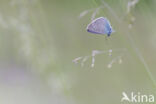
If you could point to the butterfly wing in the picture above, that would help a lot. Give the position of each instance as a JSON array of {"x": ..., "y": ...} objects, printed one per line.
[
  {"x": 108, "y": 27},
  {"x": 99, "y": 26}
]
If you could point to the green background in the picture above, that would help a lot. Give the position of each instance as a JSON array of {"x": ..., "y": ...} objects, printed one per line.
[{"x": 40, "y": 38}]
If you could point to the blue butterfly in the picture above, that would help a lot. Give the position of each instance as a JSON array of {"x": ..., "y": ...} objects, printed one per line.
[{"x": 100, "y": 26}]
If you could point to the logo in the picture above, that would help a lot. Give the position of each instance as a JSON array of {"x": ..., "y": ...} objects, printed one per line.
[{"x": 137, "y": 98}]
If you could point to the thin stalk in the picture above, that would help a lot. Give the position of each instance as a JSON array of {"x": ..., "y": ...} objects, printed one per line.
[{"x": 133, "y": 44}]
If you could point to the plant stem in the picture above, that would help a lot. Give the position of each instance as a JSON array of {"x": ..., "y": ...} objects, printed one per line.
[{"x": 133, "y": 45}]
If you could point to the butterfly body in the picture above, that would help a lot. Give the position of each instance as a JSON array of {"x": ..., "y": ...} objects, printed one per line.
[{"x": 100, "y": 26}]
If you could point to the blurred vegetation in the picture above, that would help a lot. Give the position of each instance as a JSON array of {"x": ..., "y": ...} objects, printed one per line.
[{"x": 40, "y": 38}]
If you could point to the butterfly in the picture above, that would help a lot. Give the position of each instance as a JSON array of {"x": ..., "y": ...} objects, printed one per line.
[{"x": 101, "y": 26}]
